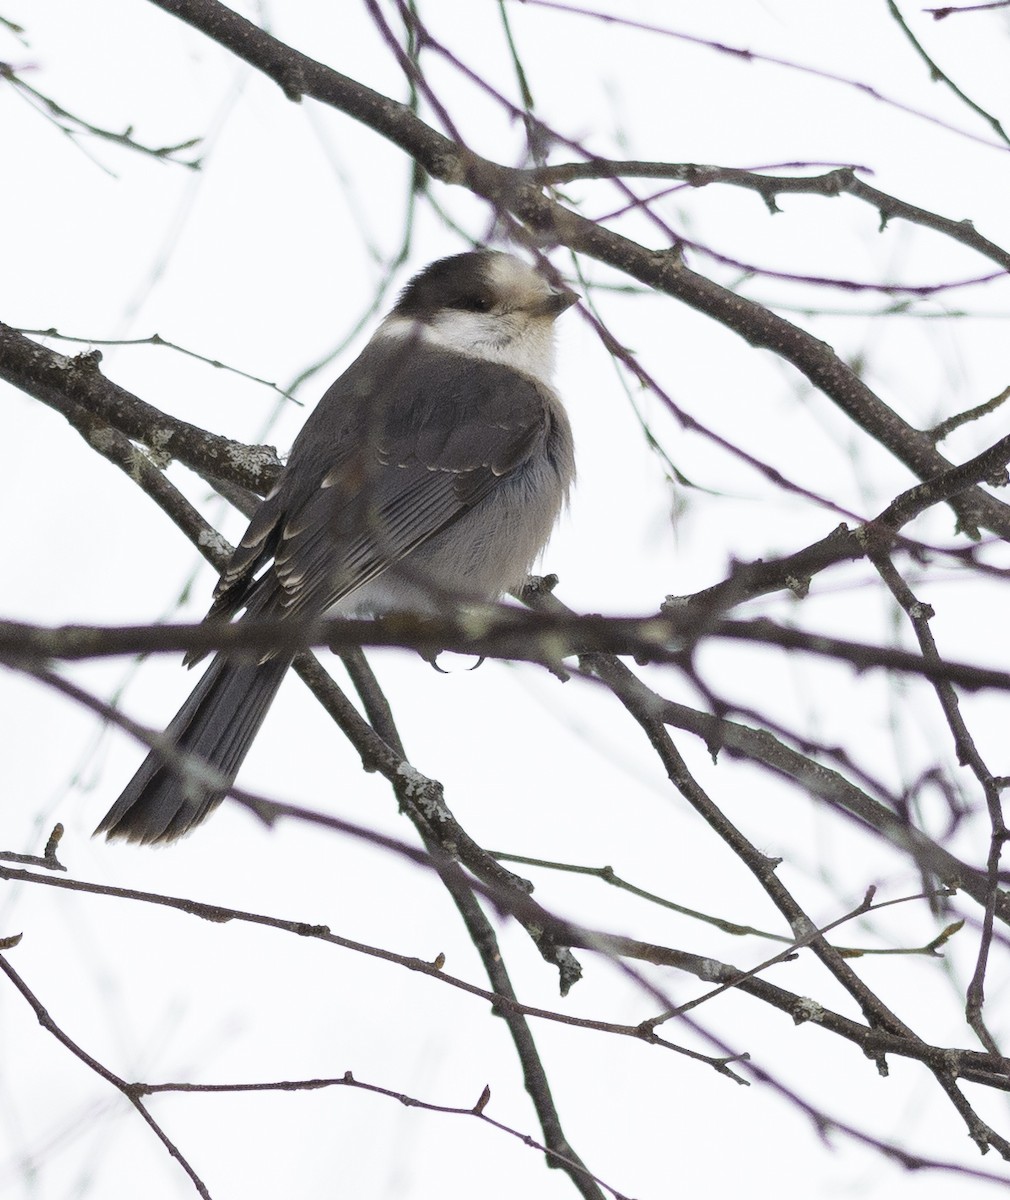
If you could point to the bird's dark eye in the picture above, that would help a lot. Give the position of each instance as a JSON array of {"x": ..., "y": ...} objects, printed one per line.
[{"x": 478, "y": 302}]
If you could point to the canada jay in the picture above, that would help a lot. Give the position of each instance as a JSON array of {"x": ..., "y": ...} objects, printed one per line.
[{"x": 431, "y": 473}]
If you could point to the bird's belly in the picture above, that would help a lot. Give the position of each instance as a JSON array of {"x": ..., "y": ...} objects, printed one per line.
[{"x": 483, "y": 554}]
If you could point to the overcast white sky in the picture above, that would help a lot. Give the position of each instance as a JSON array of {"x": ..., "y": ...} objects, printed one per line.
[{"x": 265, "y": 260}]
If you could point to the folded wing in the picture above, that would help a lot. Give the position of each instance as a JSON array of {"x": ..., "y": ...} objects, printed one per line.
[{"x": 335, "y": 521}]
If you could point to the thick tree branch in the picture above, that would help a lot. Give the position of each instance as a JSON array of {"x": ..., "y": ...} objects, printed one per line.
[
  {"x": 68, "y": 384},
  {"x": 493, "y": 632}
]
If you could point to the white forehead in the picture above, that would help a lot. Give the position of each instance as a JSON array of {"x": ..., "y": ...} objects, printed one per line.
[{"x": 515, "y": 282}]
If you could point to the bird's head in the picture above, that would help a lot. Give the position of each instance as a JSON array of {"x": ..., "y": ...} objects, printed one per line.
[{"x": 487, "y": 304}]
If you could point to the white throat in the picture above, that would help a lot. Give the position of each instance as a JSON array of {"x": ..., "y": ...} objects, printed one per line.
[{"x": 514, "y": 339}]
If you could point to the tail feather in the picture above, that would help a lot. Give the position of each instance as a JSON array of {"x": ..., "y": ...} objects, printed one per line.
[{"x": 215, "y": 728}]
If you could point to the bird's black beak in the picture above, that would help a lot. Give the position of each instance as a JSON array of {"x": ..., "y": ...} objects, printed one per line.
[{"x": 556, "y": 303}]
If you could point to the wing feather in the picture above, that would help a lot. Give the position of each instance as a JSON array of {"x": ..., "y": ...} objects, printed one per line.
[{"x": 373, "y": 475}]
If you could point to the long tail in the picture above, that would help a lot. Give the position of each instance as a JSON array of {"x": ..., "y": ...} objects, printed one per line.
[{"x": 217, "y": 724}]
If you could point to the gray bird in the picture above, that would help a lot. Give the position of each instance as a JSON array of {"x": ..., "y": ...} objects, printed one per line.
[{"x": 431, "y": 473}]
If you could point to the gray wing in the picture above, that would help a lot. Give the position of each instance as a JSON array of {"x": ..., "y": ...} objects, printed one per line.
[{"x": 368, "y": 480}]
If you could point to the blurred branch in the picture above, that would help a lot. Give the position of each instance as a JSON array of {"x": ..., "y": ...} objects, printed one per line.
[
  {"x": 156, "y": 339},
  {"x": 919, "y": 615},
  {"x": 951, "y": 10},
  {"x": 121, "y": 1085},
  {"x": 867, "y": 905},
  {"x": 609, "y": 876},
  {"x": 495, "y": 632},
  {"x": 747, "y": 56},
  {"x": 72, "y": 126},
  {"x": 940, "y": 76}
]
